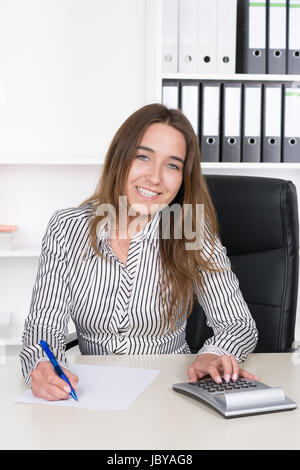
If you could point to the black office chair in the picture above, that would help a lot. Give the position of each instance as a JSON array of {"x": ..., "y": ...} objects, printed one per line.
[{"x": 258, "y": 220}]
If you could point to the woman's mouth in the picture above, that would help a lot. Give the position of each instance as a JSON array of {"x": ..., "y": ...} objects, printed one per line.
[{"x": 146, "y": 193}]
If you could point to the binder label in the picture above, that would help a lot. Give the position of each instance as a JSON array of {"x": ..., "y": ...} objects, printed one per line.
[
  {"x": 277, "y": 22},
  {"x": 189, "y": 105},
  {"x": 211, "y": 111},
  {"x": 232, "y": 111},
  {"x": 292, "y": 112},
  {"x": 294, "y": 29},
  {"x": 273, "y": 112},
  {"x": 252, "y": 111},
  {"x": 257, "y": 25},
  {"x": 170, "y": 96}
]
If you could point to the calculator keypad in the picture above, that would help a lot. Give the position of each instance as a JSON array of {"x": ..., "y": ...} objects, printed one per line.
[{"x": 211, "y": 386}]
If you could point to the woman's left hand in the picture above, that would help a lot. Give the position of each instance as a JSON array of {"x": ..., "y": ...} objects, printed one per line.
[{"x": 217, "y": 367}]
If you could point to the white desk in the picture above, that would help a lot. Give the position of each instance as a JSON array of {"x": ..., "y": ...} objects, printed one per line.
[{"x": 159, "y": 419}]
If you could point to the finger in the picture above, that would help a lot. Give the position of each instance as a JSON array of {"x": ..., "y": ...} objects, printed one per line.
[
  {"x": 214, "y": 373},
  {"x": 194, "y": 374},
  {"x": 227, "y": 367},
  {"x": 74, "y": 379},
  {"x": 235, "y": 368},
  {"x": 54, "y": 380},
  {"x": 55, "y": 393},
  {"x": 48, "y": 392},
  {"x": 247, "y": 375}
]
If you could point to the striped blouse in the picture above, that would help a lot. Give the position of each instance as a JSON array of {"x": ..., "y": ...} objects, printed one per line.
[{"x": 115, "y": 308}]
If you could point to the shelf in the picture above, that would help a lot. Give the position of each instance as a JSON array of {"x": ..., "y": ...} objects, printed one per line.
[
  {"x": 251, "y": 166},
  {"x": 11, "y": 341},
  {"x": 50, "y": 161},
  {"x": 21, "y": 253},
  {"x": 235, "y": 76}
]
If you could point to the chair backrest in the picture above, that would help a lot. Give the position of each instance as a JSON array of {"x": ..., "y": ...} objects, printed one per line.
[{"x": 258, "y": 219}]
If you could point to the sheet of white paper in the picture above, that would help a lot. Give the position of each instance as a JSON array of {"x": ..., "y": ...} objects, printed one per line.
[{"x": 101, "y": 387}]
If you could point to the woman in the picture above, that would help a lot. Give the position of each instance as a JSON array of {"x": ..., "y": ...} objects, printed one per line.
[{"x": 125, "y": 276}]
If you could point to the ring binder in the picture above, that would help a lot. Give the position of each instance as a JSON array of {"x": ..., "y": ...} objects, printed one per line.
[
  {"x": 170, "y": 94},
  {"x": 272, "y": 119},
  {"x": 251, "y": 36},
  {"x": 226, "y": 36},
  {"x": 207, "y": 36},
  {"x": 210, "y": 124},
  {"x": 293, "y": 37},
  {"x": 170, "y": 12},
  {"x": 277, "y": 31},
  {"x": 291, "y": 142},
  {"x": 188, "y": 31},
  {"x": 190, "y": 103},
  {"x": 251, "y": 142},
  {"x": 231, "y": 129}
]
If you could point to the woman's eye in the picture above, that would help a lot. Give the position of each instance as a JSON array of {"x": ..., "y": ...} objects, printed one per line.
[
  {"x": 174, "y": 167},
  {"x": 142, "y": 157}
]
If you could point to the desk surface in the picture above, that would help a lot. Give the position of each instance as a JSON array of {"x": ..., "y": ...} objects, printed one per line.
[{"x": 159, "y": 418}]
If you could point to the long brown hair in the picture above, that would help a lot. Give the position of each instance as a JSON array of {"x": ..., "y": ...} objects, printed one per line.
[{"x": 179, "y": 267}]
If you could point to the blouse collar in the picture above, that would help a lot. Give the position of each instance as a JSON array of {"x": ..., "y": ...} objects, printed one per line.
[{"x": 150, "y": 232}]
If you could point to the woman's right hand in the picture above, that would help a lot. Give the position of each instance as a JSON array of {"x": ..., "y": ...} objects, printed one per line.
[{"x": 45, "y": 383}]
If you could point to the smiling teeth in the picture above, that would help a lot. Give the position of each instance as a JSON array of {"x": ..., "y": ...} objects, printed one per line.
[{"x": 146, "y": 192}]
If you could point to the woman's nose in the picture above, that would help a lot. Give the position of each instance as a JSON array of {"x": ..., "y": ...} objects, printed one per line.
[{"x": 154, "y": 175}]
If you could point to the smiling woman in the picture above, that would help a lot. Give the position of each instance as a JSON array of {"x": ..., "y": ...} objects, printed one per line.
[
  {"x": 142, "y": 158},
  {"x": 153, "y": 176},
  {"x": 128, "y": 287}
]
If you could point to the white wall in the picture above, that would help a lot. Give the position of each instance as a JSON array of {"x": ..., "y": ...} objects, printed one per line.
[{"x": 71, "y": 71}]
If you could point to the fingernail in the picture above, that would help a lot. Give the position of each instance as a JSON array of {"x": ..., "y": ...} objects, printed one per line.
[
  {"x": 218, "y": 379},
  {"x": 234, "y": 377},
  {"x": 227, "y": 378},
  {"x": 67, "y": 389}
]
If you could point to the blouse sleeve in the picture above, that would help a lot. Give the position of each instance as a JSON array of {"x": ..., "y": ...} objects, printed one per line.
[
  {"x": 227, "y": 313},
  {"x": 50, "y": 303}
]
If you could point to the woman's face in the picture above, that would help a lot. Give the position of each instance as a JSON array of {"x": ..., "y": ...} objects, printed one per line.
[{"x": 156, "y": 172}]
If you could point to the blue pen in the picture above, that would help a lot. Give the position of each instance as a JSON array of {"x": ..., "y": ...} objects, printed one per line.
[{"x": 57, "y": 367}]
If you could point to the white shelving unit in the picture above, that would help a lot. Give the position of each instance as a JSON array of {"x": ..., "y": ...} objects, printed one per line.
[
  {"x": 96, "y": 161},
  {"x": 21, "y": 253},
  {"x": 288, "y": 171},
  {"x": 236, "y": 76}
]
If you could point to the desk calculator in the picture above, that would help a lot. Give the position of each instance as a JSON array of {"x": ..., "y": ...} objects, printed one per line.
[{"x": 239, "y": 398}]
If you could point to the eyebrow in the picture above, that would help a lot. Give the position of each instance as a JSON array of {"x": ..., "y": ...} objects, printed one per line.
[{"x": 171, "y": 156}]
